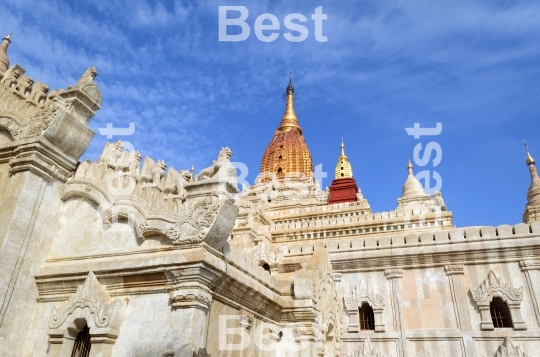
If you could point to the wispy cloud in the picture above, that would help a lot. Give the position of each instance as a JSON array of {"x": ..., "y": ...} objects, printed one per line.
[{"x": 387, "y": 64}]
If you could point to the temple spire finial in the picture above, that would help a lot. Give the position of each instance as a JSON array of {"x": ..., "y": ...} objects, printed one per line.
[
  {"x": 529, "y": 159},
  {"x": 4, "y": 60},
  {"x": 409, "y": 165},
  {"x": 290, "y": 87},
  {"x": 289, "y": 119},
  {"x": 343, "y": 167},
  {"x": 532, "y": 211}
]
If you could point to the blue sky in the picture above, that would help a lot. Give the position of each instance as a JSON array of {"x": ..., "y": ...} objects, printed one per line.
[{"x": 471, "y": 65}]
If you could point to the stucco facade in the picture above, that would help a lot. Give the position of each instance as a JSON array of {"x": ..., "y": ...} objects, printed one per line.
[{"x": 160, "y": 262}]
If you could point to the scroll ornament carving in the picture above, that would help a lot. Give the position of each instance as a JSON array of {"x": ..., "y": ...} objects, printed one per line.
[
  {"x": 268, "y": 254},
  {"x": 13, "y": 129},
  {"x": 364, "y": 292},
  {"x": 40, "y": 121},
  {"x": 496, "y": 286},
  {"x": 367, "y": 350},
  {"x": 195, "y": 221},
  {"x": 507, "y": 349},
  {"x": 89, "y": 295}
]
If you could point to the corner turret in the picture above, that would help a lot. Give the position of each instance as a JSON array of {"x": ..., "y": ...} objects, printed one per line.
[
  {"x": 532, "y": 209},
  {"x": 4, "y": 60}
]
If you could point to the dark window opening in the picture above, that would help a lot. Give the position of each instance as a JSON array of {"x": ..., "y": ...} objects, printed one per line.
[
  {"x": 280, "y": 171},
  {"x": 342, "y": 175},
  {"x": 82, "y": 345},
  {"x": 500, "y": 315},
  {"x": 266, "y": 267},
  {"x": 366, "y": 317},
  {"x": 280, "y": 157}
]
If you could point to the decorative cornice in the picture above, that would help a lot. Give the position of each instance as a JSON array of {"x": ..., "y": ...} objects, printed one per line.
[{"x": 187, "y": 298}]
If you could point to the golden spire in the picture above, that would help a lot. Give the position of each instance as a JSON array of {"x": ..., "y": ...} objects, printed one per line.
[
  {"x": 343, "y": 167},
  {"x": 409, "y": 166},
  {"x": 289, "y": 119},
  {"x": 529, "y": 159}
]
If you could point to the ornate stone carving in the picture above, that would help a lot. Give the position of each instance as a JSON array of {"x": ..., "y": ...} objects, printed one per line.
[
  {"x": 39, "y": 93},
  {"x": 507, "y": 349},
  {"x": 12, "y": 79},
  {"x": 24, "y": 85},
  {"x": 112, "y": 154},
  {"x": 158, "y": 173},
  {"x": 437, "y": 197},
  {"x": 89, "y": 75},
  {"x": 366, "y": 350},
  {"x": 40, "y": 121},
  {"x": 266, "y": 253},
  {"x": 223, "y": 158},
  {"x": 158, "y": 200},
  {"x": 364, "y": 293},
  {"x": 245, "y": 321},
  {"x": 315, "y": 281},
  {"x": 195, "y": 221},
  {"x": 492, "y": 287},
  {"x": 89, "y": 295}
]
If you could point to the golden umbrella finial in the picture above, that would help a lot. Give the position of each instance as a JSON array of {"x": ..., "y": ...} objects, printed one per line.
[
  {"x": 289, "y": 119},
  {"x": 529, "y": 159},
  {"x": 409, "y": 165}
]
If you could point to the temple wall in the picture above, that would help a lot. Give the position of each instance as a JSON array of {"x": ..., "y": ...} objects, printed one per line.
[
  {"x": 28, "y": 234},
  {"x": 432, "y": 303}
]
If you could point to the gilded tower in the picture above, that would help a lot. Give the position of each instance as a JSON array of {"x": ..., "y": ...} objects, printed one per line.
[
  {"x": 343, "y": 167},
  {"x": 344, "y": 188},
  {"x": 287, "y": 155}
]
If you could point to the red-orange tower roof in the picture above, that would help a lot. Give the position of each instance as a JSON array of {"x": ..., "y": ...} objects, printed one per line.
[{"x": 287, "y": 155}]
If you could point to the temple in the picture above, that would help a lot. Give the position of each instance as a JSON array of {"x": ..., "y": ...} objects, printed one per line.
[{"x": 126, "y": 256}]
